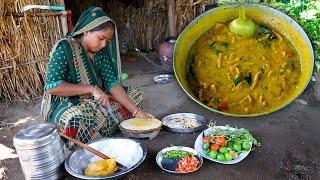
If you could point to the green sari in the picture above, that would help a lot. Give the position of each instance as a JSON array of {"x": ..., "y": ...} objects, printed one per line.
[{"x": 82, "y": 117}]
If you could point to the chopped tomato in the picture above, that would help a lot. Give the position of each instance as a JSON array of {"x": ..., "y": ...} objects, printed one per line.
[
  {"x": 220, "y": 140},
  {"x": 223, "y": 106},
  {"x": 289, "y": 54},
  {"x": 188, "y": 164},
  {"x": 214, "y": 147},
  {"x": 206, "y": 139}
]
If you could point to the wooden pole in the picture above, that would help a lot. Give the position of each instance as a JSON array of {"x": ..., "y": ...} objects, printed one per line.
[
  {"x": 172, "y": 18},
  {"x": 46, "y": 14},
  {"x": 90, "y": 149}
]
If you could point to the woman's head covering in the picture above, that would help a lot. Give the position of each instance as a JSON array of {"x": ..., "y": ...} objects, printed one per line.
[{"x": 92, "y": 18}]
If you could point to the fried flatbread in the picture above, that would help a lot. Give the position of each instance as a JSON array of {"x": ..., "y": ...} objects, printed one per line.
[{"x": 140, "y": 124}]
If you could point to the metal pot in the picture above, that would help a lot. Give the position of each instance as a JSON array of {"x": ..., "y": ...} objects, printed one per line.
[
  {"x": 260, "y": 14},
  {"x": 40, "y": 151}
]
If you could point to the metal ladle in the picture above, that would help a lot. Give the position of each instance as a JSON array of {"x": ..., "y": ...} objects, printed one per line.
[{"x": 242, "y": 26}]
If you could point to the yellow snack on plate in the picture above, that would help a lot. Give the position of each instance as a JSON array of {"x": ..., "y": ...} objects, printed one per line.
[{"x": 102, "y": 167}]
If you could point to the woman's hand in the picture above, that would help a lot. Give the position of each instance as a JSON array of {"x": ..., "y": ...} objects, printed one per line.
[
  {"x": 121, "y": 96},
  {"x": 139, "y": 113},
  {"x": 99, "y": 95}
]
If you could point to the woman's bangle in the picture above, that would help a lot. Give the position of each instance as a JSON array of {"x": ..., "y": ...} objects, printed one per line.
[
  {"x": 94, "y": 88},
  {"x": 135, "y": 112}
]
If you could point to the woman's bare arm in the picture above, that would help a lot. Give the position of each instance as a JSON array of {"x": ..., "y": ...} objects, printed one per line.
[
  {"x": 66, "y": 89},
  {"x": 121, "y": 96}
]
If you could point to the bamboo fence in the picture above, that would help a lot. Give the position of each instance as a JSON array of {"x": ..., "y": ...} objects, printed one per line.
[
  {"x": 143, "y": 27},
  {"x": 25, "y": 42},
  {"x": 26, "y": 39}
]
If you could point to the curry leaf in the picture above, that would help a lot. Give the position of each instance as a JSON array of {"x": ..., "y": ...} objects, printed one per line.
[
  {"x": 248, "y": 78},
  {"x": 237, "y": 80}
]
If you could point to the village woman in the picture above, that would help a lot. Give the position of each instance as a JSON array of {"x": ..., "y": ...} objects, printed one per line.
[{"x": 83, "y": 92}]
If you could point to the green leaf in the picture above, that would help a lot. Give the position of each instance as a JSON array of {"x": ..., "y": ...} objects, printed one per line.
[
  {"x": 225, "y": 44},
  {"x": 261, "y": 69},
  {"x": 248, "y": 78},
  {"x": 266, "y": 44},
  {"x": 264, "y": 87},
  {"x": 237, "y": 80},
  {"x": 292, "y": 66},
  {"x": 212, "y": 45}
]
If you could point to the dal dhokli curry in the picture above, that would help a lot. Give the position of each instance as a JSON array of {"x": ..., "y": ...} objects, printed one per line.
[{"x": 243, "y": 75}]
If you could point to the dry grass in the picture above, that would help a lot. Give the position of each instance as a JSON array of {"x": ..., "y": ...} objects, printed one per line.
[
  {"x": 145, "y": 27},
  {"x": 25, "y": 43}
]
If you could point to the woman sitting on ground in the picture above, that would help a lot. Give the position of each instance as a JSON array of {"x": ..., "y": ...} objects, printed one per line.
[{"x": 83, "y": 92}]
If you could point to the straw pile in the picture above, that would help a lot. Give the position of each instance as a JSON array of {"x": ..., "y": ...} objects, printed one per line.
[
  {"x": 25, "y": 43},
  {"x": 147, "y": 27},
  {"x": 78, "y": 6},
  {"x": 143, "y": 27}
]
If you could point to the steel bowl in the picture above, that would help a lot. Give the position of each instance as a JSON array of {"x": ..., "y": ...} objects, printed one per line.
[
  {"x": 162, "y": 78},
  {"x": 260, "y": 14},
  {"x": 199, "y": 118},
  {"x": 132, "y": 152},
  {"x": 161, "y": 153}
]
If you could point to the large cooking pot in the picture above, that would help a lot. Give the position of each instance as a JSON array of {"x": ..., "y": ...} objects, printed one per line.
[{"x": 260, "y": 14}]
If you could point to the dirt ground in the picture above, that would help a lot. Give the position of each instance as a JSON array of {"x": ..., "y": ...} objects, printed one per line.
[{"x": 289, "y": 137}]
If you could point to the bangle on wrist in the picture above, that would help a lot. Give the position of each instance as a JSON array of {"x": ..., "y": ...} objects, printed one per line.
[
  {"x": 94, "y": 88},
  {"x": 135, "y": 112}
]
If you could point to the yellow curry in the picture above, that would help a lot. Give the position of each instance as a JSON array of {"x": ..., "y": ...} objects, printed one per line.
[{"x": 243, "y": 75}]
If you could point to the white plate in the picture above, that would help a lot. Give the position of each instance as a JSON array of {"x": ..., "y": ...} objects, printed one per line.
[
  {"x": 199, "y": 144},
  {"x": 128, "y": 152}
]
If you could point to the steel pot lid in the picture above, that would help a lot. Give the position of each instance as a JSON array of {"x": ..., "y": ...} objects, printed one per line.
[{"x": 35, "y": 136}]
